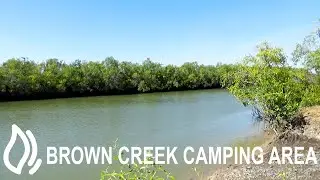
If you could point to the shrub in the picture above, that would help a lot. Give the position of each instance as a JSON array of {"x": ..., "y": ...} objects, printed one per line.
[{"x": 268, "y": 84}]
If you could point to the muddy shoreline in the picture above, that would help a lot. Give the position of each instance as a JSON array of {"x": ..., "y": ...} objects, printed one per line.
[{"x": 306, "y": 136}]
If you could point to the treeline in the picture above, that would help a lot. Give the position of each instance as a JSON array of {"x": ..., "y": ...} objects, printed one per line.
[{"x": 22, "y": 78}]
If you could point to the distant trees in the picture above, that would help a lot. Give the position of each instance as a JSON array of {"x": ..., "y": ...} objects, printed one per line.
[{"x": 25, "y": 79}]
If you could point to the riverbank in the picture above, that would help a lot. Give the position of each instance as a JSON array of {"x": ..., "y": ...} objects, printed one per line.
[
  {"x": 306, "y": 136},
  {"x": 52, "y": 96}
]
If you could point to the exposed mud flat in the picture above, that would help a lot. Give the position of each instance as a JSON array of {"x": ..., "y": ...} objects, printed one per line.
[{"x": 307, "y": 136}]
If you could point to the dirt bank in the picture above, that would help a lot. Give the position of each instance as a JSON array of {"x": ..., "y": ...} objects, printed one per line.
[{"x": 306, "y": 136}]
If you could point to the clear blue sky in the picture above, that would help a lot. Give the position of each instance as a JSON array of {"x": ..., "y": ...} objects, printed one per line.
[{"x": 167, "y": 31}]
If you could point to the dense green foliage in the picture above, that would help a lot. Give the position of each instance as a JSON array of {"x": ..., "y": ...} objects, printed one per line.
[
  {"x": 25, "y": 79},
  {"x": 274, "y": 88},
  {"x": 270, "y": 85}
]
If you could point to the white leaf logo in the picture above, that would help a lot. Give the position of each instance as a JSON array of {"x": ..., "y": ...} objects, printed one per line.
[{"x": 33, "y": 161}]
